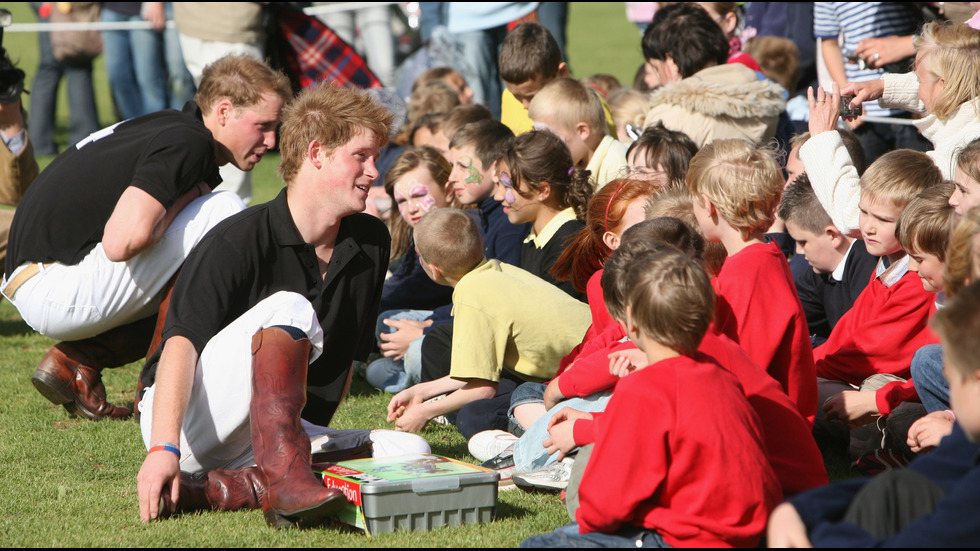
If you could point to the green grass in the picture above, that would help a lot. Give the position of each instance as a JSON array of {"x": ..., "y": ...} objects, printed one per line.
[{"x": 67, "y": 482}]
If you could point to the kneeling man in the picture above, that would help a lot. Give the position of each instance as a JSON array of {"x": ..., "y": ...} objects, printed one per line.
[{"x": 268, "y": 314}]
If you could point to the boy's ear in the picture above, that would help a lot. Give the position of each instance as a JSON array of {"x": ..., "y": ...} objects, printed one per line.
[
  {"x": 631, "y": 330},
  {"x": 708, "y": 206},
  {"x": 562, "y": 70},
  {"x": 583, "y": 131},
  {"x": 837, "y": 239}
]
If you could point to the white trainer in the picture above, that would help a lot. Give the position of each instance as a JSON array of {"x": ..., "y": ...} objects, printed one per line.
[
  {"x": 489, "y": 443},
  {"x": 553, "y": 477}
]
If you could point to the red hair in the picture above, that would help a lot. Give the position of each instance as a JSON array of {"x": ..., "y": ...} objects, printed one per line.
[{"x": 586, "y": 252}]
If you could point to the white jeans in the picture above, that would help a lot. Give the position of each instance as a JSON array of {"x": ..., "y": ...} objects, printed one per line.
[
  {"x": 87, "y": 299},
  {"x": 217, "y": 431}
]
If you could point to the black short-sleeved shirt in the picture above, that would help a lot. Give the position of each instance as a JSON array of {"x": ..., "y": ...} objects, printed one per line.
[
  {"x": 64, "y": 212},
  {"x": 258, "y": 252}
]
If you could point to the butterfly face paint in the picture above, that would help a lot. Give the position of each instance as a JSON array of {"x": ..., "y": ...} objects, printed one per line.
[
  {"x": 416, "y": 193},
  {"x": 508, "y": 187}
]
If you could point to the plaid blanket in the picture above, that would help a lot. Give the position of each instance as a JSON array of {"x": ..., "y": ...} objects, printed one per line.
[{"x": 309, "y": 52}]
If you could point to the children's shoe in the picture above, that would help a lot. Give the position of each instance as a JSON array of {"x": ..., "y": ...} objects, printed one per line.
[
  {"x": 504, "y": 465},
  {"x": 553, "y": 477},
  {"x": 490, "y": 443},
  {"x": 438, "y": 419}
]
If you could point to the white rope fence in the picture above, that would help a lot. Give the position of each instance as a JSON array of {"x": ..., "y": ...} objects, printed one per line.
[{"x": 141, "y": 25}]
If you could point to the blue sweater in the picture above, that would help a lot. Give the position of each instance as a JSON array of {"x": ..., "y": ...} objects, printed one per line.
[{"x": 954, "y": 466}]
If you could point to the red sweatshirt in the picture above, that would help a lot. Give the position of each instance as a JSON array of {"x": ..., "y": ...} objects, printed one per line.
[
  {"x": 792, "y": 452},
  {"x": 880, "y": 333},
  {"x": 666, "y": 459},
  {"x": 601, "y": 322},
  {"x": 758, "y": 308}
]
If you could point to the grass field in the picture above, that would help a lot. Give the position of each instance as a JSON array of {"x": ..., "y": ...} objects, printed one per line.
[
  {"x": 72, "y": 483},
  {"x": 67, "y": 482}
]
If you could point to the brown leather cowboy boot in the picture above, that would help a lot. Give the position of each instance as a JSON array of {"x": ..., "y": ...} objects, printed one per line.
[
  {"x": 221, "y": 490},
  {"x": 281, "y": 446},
  {"x": 70, "y": 373}
]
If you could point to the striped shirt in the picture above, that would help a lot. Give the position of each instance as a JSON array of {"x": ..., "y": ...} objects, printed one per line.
[{"x": 856, "y": 21}]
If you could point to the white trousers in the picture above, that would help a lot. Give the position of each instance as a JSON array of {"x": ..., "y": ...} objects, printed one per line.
[
  {"x": 87, "y": 299},
  {"x": 216, "y": 433}
]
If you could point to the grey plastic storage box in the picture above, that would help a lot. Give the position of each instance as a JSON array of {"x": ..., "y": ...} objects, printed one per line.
[{"x": 413, "y": 492}]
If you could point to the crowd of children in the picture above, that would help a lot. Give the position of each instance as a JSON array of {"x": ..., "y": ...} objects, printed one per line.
[{"x": 667, "y": 306}]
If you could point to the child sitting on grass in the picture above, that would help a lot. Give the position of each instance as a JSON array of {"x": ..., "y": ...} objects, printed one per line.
[
  {"x": 665, "y": 479},
  {"x": 509, "y": 326},
  {"x": 736, "y": 187},
  {"x": 888, "y": 322}
]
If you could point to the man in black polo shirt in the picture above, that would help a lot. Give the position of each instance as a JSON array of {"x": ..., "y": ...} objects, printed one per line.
[
  {"x": 101, "y": 231},
  {"x": 268, "y": 314}
]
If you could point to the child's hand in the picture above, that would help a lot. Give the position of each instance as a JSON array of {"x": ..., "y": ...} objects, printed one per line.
[
  {"x": 561, "y": 439},
  {"x": 552, "y": 394},
  {"x": 395, "y": 345},
  {"x": 568, "y": 414},
  {"x": 852, "y": 407},
  {"x": 927, "y": 432},
  {"x": 624, "y": 362},
  {"x": 400, "y": 402},
  {"x": 412, "y": 418},
  {"x": 786, "y": 528}
]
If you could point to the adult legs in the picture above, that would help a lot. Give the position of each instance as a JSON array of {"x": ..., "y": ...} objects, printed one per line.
[
  {"x": 119, "y": 49},
  {"x": 180, "y": 83},
  {"x": 44, "y": 96},
  {"x": 105, "y": 311}
]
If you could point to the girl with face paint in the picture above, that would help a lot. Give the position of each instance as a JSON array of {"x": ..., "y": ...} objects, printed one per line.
[
  {"x": 537, "y": 184},
  {"x": 417, "y": 182}
]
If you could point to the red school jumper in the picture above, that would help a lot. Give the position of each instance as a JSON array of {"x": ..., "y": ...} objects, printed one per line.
[
  {"x": 758, "y": 307},
  {"x": 698, "y": 478}
]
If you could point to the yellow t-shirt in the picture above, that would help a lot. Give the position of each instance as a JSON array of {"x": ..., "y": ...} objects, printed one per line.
[{"x": 507, "y": 318}]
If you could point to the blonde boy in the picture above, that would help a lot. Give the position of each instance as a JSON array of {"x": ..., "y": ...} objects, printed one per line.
[
  {"x": 508, "y": 325},
  {"x": 670, "y": 484},
  {"x": 888, "y": 321},
  {"x": 736, "y": 187},
  {"x": 574, "y": 112}
]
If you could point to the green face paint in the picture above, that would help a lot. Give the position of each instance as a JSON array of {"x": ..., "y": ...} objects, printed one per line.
[{"x": 473, "y": 175}]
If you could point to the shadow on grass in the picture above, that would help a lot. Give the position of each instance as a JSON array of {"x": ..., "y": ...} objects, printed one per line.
[
  {"x": 510, "y": 510},
  {"x": 14, "y": 328}
]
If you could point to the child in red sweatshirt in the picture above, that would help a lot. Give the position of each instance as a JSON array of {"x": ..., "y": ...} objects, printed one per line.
[
  {"x": 736, "y": 187},
  {"x": 670, "y": 478},
  {"x": 889, "y": 319}
]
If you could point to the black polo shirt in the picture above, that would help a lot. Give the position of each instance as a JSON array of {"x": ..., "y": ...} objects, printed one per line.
[
  {"x": 63, "y": 214},
  {"x": 259, "y": 252}
]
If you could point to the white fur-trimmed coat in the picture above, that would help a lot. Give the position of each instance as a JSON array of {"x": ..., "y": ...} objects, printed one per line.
[{"x": 723, "y": 101}]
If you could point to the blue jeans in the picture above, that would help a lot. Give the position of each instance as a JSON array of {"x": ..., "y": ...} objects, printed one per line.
[
  {"x": 83, "y": 114},
  {"x": 145, "y": 68},
  {"x": 529, "y": 452},
  {"x": 568, "y": 536},
  {"x": 927, "y": 375},
  {"x": 391, "y": 375}
]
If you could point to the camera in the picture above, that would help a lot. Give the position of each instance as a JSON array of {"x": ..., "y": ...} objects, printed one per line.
[
  {"x": 845, "y": 109},
  {"x": 11, "y": 78}
]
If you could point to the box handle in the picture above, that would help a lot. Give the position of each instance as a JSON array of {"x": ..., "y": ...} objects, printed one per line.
[{"x": 432, "y": 485}]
